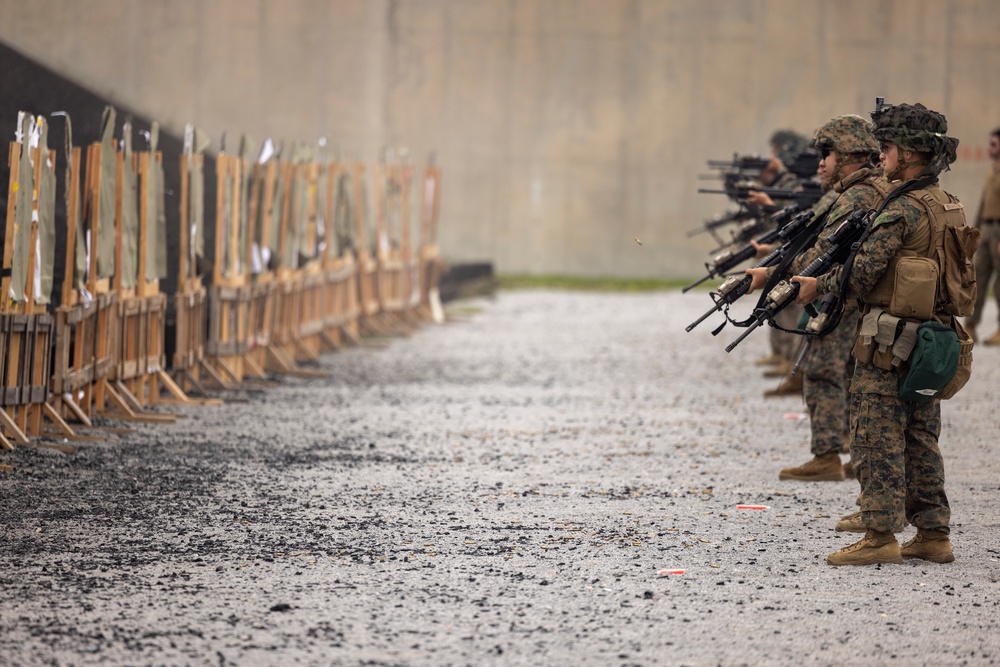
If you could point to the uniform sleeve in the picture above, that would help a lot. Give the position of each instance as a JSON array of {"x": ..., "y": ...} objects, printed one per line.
[
  {"x": 853, "y": 199},
  {"x": 840, "y": 210},
  {"x": 872, "y": 259}
]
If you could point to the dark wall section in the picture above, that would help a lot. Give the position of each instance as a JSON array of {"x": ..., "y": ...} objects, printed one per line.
[{"x": 28, "y": 86}]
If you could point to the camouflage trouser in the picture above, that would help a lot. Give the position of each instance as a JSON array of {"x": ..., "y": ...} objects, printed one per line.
[
  {"x": 895, "y": 454},
  {"x": 782, "y": 343},
  {"x": 987, "y": 263},
  {"x": 827, "y": 369}
]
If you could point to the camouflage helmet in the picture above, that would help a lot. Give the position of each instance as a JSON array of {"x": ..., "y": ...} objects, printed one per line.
[
  {"x": 788, "y": 144},
  {"x": 847, "y": 135},
  {"x": 915, "y": 127}
]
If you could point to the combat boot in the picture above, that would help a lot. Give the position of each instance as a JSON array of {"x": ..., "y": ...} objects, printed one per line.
[
  {"x": 874, "y": 547},
  {"x": 789, "y": 387},
  {"x": 779, "y": 369},
  {"x": 994, "y": 339},
  {"x": 825, "y": 468},
  {"x": 851, "y": 523},
  {"x": 770, "y": 360},
  {"x": 929, "y": 545},
  {"x": 848, "y": 470}
]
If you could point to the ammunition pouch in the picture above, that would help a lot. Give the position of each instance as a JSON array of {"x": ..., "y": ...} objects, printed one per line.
[
  {"x": 915, "y": 289},
  {"x": 934, "y": 359},
  {"x": 884, "y": 340}
]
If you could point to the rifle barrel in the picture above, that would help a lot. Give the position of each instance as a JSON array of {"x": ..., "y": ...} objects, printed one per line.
[
  {"x": 750, "y": 329},
  {"x": 696, "y": 283},
  {"x": 803, "y": 351},
  {"x": 701, "y": 319}
]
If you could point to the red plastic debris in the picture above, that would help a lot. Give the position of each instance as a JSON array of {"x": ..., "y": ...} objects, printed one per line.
[
  {"x": 753, "y": 507},
  {"x": 664, "y": 573}
]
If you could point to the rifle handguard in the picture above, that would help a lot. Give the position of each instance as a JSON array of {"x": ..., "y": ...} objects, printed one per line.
[
  {"x": 732, "y": 289},
  {"x": 781, "y": 294}
]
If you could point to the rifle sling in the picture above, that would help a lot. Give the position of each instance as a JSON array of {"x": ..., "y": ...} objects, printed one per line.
[
  {"x": 806, "y": 238},
  {"x": 916, "y": 184},
  {"x": 838, "y": 311},
  {"x": 795, "y": 245}
]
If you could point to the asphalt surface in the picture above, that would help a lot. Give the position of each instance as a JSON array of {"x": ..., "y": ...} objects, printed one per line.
[{"x": 500, "y": 490}]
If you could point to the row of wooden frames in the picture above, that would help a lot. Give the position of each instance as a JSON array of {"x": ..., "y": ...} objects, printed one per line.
[{"x": 298, "y": 269}]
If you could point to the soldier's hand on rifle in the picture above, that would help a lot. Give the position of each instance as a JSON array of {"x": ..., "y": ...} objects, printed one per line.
[
  {"x": 807, "y": 289},
  {"x": 759, "y": 199},
  {"x": 758, "y": 276},
  {"x": 763, "y": 249}
]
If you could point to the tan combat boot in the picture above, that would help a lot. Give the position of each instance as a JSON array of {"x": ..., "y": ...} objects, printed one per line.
[
  {"x": 770, "y": 360},
  {"x": 790, "y": 386},
  {"x": 929, "y": 545},
  {"x": 848, "y": 470},
  {"x": 779, "y": 369},
  {"x": 851, "y": 523},
  {"x": 874, "y": 547},
  {"x": 994, "y": 339},
  {"x": 825, "y": 468}
]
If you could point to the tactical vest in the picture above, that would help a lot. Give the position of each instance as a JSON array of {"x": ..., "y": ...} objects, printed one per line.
[
  {"x": 931, "y": 277},
  {"x": 881, "y": 185},
  {"x": 865, "y": 176},
  {"x": 860, "y": 178},
  {"x": 911, "y": 286}
]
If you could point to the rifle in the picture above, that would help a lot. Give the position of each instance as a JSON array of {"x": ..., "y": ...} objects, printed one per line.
[
  {"x": 742, "y": 190},
  {"x": 805, "y": 164},
  {"x": 744, "y": 232},
  {"x": 725, "y": 261},
  {"x": 741, "y": 163},
  {"x": 744, "y": 213},
  {"x": 783, "y": 294},
  {"x": 735, "y": 287}
]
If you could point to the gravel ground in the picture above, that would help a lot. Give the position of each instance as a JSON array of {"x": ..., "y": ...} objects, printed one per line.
[{"x": 500, "y": 490}]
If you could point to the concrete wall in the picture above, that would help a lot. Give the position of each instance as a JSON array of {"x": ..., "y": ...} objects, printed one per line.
[{"x": 566, "y": 128}]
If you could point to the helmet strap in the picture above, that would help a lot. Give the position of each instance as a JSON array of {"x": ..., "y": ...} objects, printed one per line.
[
  {"x": 842, "y": 161},
  {"x": 903, "y": 164}
]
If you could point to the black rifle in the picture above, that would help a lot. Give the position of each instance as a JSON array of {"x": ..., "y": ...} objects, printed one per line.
[
  {"x": 744, "y": 232},
  {"x": 808, "y": 195},
  {"x": 735, "y": 287},
  {"x": 730, "y": 259},
  {"x": 805, "y": 164},
  {"x": 741, "y": 163},
  {"x": 783, "y": 294},
  {"x": 744, "y": 213}
]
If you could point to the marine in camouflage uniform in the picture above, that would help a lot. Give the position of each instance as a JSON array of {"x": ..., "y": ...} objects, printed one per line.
[
  {"x": 987, "y": 259},
  {"x": 786, "y": 146},
  {"x": 894, "y": 447},
  {"x": 848, "y": 148}
]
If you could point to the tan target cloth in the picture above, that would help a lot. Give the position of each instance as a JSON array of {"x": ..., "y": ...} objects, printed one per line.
[
  {"x": 130, "y": 214},
  {"x": 23, "y": 205},
  {"x": 156, "y": 214},
  {"x": 108, "y": 191},
  {"x": 46, "y": 223}
]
